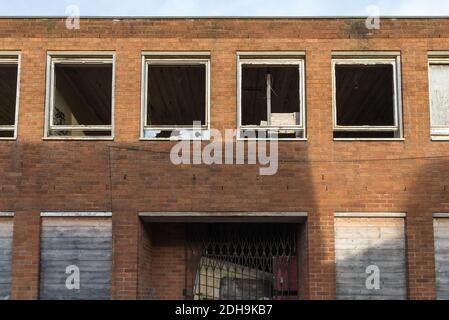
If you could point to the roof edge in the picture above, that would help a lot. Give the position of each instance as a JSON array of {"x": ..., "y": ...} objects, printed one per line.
[{"x": 226, "y": 17}]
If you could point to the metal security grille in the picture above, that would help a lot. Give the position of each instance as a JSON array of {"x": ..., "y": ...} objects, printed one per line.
[{"x": 242, "y": 262}]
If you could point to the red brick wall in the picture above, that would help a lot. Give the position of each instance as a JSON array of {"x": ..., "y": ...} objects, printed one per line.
[
  {"x": 25, "y": 265},
  {"x": 125, "y": 237},
  {"x": 168, "y": 261},
  {"x": 319, "y": 176},
  {"x": 145, "y": 291},
  {"x": 303, "y": 262}
]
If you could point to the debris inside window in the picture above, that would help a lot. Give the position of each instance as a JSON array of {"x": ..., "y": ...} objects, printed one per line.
[
  {"x": 271, "y": 97},
  {"x": 82, "y": 100}
]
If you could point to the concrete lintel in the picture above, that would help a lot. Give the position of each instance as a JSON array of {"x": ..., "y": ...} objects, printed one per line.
[
  {"x": 370, "y": 214},
  {"x": 365, "y": 54},
  {"x": 441, "y": 215},
  {"x": 6, "y": 214},
  {"x": 76, "y": 214},
  {"x": 223, "y": 217}
]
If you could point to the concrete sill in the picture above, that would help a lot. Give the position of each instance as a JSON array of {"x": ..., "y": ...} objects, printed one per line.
[{"x": 370, "y": 139}]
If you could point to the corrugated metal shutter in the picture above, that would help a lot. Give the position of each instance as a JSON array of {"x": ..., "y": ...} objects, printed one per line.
[
  {"x": 82, "y": 242},
  {"x": 441, "y": 227},
  {"x": 6, "y": 231},
  {"x": 364, "y": 242}
]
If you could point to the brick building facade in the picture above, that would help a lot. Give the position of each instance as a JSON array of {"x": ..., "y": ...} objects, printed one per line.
[{"x": 320, "y": 179}]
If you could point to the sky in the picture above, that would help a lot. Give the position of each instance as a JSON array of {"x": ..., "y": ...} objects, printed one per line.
[{"x": 225, "y": 7}]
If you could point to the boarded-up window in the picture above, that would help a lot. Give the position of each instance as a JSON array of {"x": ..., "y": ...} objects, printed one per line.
[
  {"x": 439, "y": 98},
  {"x": 370, "y": 258},
  {"x": 6, "y": 230},
  {"x": 441, "y": 227},
  {"x": 72, "y": 247}
]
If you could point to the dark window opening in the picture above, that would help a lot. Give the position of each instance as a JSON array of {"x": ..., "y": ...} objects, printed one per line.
[
  {"x": 365, "y": 96},
  {"x": 83, "y": 95},
  {"x": 6, "y": 134},
  {"x": 270, "y": 90},
  {"x": 364, "y": 135},
  {"x": 176, "y": 95},
  {"x": 8, "y": 96},
  {"x": 83, "y": 133}
]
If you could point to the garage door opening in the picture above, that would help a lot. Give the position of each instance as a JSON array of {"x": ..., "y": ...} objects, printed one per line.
[{"x": 242, "y": 262}]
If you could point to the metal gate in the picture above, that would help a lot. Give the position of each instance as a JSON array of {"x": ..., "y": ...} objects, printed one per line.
[{"x": 241, "y": 262}]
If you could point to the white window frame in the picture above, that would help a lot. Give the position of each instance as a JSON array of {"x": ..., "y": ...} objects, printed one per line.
[
  {"x": 272, "y": 58},
  {"x": 437, "y": 133},
  {"x": 76, "y": 58},
  {"x": 12, "y": 57},
  {"x": 370, "y": 58},
  {"x": 188, "y": 132}
]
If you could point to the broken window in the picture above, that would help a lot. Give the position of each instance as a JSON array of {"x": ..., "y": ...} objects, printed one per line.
[
  {"x": 176, "y": 97},
  {"x": 9, "y": 68},
  {"x": 439, "y": 98},
  {"x": 271, "y": 98},
  {"x": 80, "y": 102},
  {"x": 366, "y": 99}
]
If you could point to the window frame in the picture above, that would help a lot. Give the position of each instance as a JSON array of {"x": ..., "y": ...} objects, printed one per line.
[
  {"x": 437, "y": 133},
  {"x": 272, "y": 58},
  {"x": 9, "y": 58},
  {"x": 181, "y": 59},
  {"x": 76, "y": 58},
  {"x": 378, "y": 58}
]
